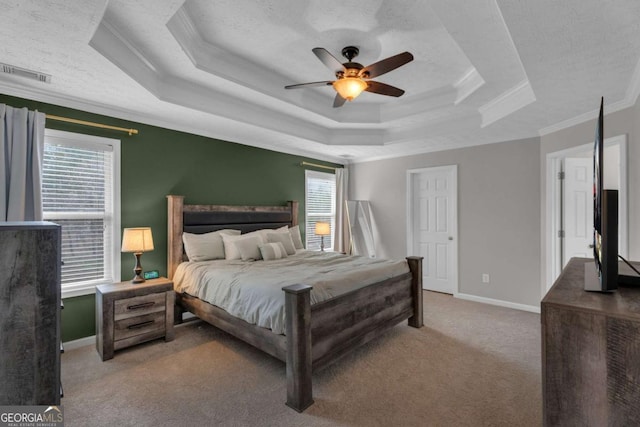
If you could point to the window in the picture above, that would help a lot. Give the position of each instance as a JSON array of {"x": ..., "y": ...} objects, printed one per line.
[
  {"x": 320, "y": 190},
  {"x": 81, "y": 192}
]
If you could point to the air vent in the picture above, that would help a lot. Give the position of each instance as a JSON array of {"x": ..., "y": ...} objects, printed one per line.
[{"x": 23, "y": 72}]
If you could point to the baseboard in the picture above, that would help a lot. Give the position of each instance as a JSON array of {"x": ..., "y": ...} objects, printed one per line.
[
  {"x": 501, "y": 303},
  {"x": 81, "y": 342}
]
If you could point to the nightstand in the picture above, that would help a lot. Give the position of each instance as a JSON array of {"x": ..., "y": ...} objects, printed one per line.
[{"x": 128, "y": 314}]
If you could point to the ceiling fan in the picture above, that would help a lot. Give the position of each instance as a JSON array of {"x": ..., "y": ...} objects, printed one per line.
[{"x": 353, "y": 78}]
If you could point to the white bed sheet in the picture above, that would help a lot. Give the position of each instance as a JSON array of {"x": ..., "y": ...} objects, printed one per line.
[{"x": 253, "y": 291}]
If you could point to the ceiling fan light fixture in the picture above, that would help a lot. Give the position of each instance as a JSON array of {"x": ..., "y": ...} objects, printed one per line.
[
  {"x": 352, "y": 78},
  {"x": 349, "y": 87}
]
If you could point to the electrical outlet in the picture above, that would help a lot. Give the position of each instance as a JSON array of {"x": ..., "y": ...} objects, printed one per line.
[{"x": 485, "y": 278}]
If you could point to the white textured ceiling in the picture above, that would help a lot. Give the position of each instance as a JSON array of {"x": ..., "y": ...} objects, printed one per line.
[{"x": 484, "y": 71}]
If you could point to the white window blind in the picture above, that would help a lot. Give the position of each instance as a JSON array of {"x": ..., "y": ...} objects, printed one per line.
[
  {"x": 80, "y": 191},
  {"x": 320, "y": 207}
]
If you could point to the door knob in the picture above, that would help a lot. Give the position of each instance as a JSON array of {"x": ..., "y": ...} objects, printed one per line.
[
  {"x": 450, "y": 238},
  {"x": 591, "y": 246}
]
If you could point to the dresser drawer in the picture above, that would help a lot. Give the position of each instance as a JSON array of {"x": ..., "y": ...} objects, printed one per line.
[
  {"x": 138, "y": 306},
  {"x": 133, "y": 326}
]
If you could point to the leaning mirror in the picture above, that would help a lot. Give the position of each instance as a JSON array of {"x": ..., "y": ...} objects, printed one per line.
[{"x": 360, "y": 227}]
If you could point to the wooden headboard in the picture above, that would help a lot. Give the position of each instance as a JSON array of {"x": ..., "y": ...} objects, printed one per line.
[{"x": 199, "y": 219}]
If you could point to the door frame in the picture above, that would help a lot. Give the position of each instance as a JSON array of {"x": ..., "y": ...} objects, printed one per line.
[
  {"x": 453, "y": 174},
  {"x": 554, "y": 204}
]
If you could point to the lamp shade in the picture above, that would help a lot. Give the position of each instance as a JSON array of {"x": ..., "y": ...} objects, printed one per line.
[
  {"x": 137, "y": 240},
  {"x": 323, "y": 228},
  {"x": 349, "y": 87}
]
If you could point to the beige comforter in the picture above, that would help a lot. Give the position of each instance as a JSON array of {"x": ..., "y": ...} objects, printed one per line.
[{"x": 252, "y": 290}]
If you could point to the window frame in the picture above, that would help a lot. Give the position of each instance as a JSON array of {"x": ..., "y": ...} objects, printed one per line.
[
  {"x": 319, "y": 175},
  {"x": 93, "y": 142}
]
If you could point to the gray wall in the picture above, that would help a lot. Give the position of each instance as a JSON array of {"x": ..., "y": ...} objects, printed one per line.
[
  {"x": 622, "y": 122},
  {"x": 498, "y": 214}
]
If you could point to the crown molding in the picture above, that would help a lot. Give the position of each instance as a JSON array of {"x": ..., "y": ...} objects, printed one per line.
[
  {"x": 585, "y": 117},
  {"x": 110, "y": 43},
  {"x": 507, "y": 103},
  {"x": 467, "y": 85},
  {"x": 631, "y": 96}
]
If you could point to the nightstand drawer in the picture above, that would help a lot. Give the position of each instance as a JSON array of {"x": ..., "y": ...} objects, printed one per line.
[
  {"x": 139, "y": 325},
  {"x": 138, "y": 306}
]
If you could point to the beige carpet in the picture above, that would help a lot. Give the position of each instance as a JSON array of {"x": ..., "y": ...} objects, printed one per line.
[{"x": 471, "y": 365}]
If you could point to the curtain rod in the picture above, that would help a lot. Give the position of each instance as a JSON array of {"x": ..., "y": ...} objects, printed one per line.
[
  {"x": 315, "y": 165},
  {"x": 92, "y": 124}
]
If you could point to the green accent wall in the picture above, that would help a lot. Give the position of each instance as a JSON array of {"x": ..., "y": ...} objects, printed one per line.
[
  {"x": 159, "y": 161},
  {"x": 78, "y": 317}
]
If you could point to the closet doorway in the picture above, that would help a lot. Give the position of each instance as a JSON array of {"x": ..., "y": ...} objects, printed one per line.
[{"x": 569, "y": 194}]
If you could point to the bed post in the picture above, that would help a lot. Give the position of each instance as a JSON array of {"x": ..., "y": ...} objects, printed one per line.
[
  {"x": 175, "y": 206},
  {"x": 298, "y": 330},
  {"x": 293, "y": 206},
  {"x": 415, "y": 265},
  {"x": 174, "y": 233}
]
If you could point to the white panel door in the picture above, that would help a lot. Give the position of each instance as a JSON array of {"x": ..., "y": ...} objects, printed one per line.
[
  {"x": 577, "y": 208},
  {"x": 433, "y": 230}
]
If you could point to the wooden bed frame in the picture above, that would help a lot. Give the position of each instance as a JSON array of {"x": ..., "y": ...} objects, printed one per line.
[{"x": 316, "y": 335}]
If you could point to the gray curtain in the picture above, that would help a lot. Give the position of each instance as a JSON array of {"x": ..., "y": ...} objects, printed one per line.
[
  {"x": 341, "y": 238},
  {"x": 21, "y": 150}
]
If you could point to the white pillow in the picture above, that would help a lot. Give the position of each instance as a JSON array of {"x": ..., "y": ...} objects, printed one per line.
[
  {"x": 202, "y": 247},
  {"x": 263, "y": 232},
  {"x": 249, "y": 247},
  {"x": 271, "y": 251},
  {"x": 231, "y": 250},
  {"x": 285, "y": 239},
  {"x": 295, "y": 237}
]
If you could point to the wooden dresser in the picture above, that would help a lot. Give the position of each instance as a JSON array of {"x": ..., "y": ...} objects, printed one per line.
[
  {"x": 590, "y": 353},
  {"x": 29, "y": 313},
  {"x": 128, "y": 314}
]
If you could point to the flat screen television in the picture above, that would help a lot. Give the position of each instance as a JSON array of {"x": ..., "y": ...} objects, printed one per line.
[{"x": 605, "y": 222}]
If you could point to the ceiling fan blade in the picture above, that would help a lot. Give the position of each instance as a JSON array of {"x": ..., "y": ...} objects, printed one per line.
[
  {"x": 383, "y": 89},
  {"x": 312, "y": 84},
  {"x": 327, "y": 59},
  {"x": 384, "y": 66},
  {"x": 338, "y": 101}
]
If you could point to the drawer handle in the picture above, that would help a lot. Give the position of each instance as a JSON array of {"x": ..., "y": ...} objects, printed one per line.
[
  {"x": 139, "y": 306},
  {"x": 140, "y": 325}
]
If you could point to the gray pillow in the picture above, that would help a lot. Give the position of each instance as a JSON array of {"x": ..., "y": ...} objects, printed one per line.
[
  {"x": 249, "y": 247},
  {"x": 285, "y": 239},
  {"x": 271, "y": 251}
]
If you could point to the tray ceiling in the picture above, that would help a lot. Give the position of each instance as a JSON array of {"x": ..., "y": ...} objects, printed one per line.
[{"x": 484, "y": 71}]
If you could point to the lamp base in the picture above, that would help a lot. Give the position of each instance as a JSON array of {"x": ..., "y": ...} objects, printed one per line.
[
  {"x": 137, "y": 270},
  {"x": 138, "y": 279}
]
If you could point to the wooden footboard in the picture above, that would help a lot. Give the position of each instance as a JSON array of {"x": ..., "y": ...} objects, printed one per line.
[{"x": 320, "y": 334}]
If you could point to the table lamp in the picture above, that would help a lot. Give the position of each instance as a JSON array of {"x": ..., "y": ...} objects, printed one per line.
[
  {"x": 322, "y": 229},
  {"x": 137, "y": 240}
]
